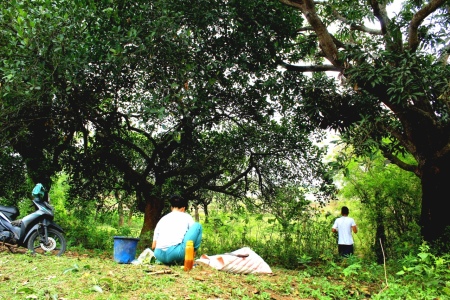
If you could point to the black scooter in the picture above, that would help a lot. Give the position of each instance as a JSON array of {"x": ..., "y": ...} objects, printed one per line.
[{"x": 36, "y": 231}]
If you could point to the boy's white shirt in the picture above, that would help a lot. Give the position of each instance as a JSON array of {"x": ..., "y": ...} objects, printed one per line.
[{"x": 344, "y": 227}]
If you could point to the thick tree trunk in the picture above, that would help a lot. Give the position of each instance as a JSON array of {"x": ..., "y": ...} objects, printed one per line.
[
  {"x": 152, "y": 214},
  {"x": 205, "y": 210},
  {"x": 434, "y": 216},
  {"x": 130, "y": 217},
  {"x": 119, "y": 208},
  {"x": 380, "y": 237},
  {"x": 120, "y": 212},
  {"x": 196, "y": 214}
]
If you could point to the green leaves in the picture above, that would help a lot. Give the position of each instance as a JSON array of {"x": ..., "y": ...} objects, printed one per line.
[
  {"x": 426, "y": 268},
  {"x": 74, "y": 268},
  {"x": 351, "y": 269}
]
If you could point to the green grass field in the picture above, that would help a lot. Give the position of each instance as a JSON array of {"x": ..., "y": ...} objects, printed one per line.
[{"x": 98, "y": 276}]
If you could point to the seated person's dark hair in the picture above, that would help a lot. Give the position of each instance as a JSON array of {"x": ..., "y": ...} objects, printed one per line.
[{"x": 178, "y": 201}]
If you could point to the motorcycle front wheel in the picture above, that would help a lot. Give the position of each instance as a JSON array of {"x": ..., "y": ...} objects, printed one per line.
[{"x": 56, "y": 243}]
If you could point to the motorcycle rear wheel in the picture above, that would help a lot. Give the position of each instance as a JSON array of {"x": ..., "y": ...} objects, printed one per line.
[{"x": 56, "y": 243}]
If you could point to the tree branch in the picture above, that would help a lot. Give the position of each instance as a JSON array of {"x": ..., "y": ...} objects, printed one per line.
[
  {"x": 425, "y": 11},
  {"x": 443, "y": 58},
  {"x": 326, "y": 42},
  {"x": 354, "y": 26},
  {"x": 337, "y": 42},
  {"x": 392, "y": 34},
  {"x": 444, "y": 150},
  {"x": 401, "y": 164},
  {"x": 307, "y": 28},
  {"x": 318, "y": 68},
  {"x": 410, "y": 147},
  {"x": 294, "y": 4},
  {"x": 379, "y": 11}
]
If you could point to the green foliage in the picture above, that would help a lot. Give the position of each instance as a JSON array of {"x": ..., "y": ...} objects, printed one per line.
[
  {"x": 423, "y": 275},
  {"x": 14, "y": 185},
  {"x": 351, "y": 270},
  {"x": 304, "y": 241},
  {"x": 58, "y": 195},
  {"x": 308, "y": 272},
  {"x": 427, "y": 269},
  {"x": 392, "y": 91},
  {"x": 89, "y": 235},
  {"x": 135, "y": 97},
  {"x": 135, "y": 93},
  {"x": 390, "y": 203},
  {"x": 25, "y": 207}
]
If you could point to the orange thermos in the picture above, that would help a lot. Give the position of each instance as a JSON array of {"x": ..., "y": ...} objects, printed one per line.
[{"x": 189, "y": 256}]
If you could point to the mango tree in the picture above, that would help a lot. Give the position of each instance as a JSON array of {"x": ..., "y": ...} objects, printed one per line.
[
  {"x": 154, "y": 98},
  {"x": 392, "y": 88}
]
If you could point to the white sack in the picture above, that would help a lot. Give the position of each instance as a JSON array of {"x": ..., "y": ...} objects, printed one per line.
[{"x": 234, "y": 262}]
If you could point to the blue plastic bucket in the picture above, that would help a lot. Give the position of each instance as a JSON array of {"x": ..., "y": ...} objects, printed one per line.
[{"x": 125, "y": 249}]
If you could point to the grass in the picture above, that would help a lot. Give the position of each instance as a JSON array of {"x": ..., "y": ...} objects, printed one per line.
[
  {"x": 97, "y": 276},
  {"x": 303, "y": 262}
]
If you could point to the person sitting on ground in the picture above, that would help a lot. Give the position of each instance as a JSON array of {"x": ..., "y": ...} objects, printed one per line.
[{"x": 173, "y": 231}]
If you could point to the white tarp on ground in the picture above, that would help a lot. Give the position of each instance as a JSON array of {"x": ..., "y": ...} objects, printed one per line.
[{"x": 242, "y": 261}]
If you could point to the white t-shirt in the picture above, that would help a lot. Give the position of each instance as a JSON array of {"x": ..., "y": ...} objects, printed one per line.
[
  {"x": 171, "y": 229},
  {"x": 344, "y": 227}
]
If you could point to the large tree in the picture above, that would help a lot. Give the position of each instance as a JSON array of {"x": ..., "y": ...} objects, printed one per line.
[
  {"x": 167, "y": 95},
  {"x": 394, "y": 86},
  {"x": 160, "y": 91},
  {"x": 40, "y": 54}
]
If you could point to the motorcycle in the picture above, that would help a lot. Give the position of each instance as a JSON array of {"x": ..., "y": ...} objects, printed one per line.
[{"x": 36, "y": 231}]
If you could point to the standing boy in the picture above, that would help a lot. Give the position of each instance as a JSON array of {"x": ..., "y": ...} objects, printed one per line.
[{"x": 344, "y": 227}]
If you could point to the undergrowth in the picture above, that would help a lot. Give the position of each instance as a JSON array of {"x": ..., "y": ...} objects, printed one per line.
[
  {"x": 95, "y": 275},
  {"x": 302, "y": 252}
]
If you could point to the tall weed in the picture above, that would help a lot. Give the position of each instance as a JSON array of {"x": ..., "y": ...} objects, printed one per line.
[
  {"x": 289, "y": 246},
  {"x": 426, "y": 268}
]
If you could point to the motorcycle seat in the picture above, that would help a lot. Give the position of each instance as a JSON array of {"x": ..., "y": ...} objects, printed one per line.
[{"x": 11, "y": 212}]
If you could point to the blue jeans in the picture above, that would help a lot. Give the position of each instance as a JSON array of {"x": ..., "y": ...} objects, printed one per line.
[{"x": 175, "y": 254}]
